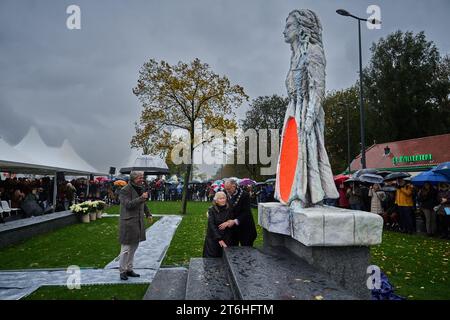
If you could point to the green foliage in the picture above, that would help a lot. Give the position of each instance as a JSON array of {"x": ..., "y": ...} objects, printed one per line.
[
  {"x": 406, "y": 89},
  {"x": 336, "y": 116},
  {"x": 406, "y": 95},
  {"x": 182, "y": 96},
  {"x": 265, "y": 112}
]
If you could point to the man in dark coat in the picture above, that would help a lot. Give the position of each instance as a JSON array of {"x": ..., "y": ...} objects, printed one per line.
[
  {"x": 243, "y": 225},
  {"x": 131, "y": 227}
]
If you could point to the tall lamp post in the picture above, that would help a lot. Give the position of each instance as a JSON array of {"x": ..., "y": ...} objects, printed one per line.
[
  {"x": 348, "y": 139},
  {"x": 345, "y": 13},
  {"x": 348, "y": 133}
]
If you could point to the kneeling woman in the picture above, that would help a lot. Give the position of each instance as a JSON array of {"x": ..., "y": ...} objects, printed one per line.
[{"x": 217, "y": 237}]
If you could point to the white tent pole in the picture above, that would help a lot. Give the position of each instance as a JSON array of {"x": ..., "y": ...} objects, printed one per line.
[
  {"x": 87, "y": 192},
  {"x": 55, "y": 190}
]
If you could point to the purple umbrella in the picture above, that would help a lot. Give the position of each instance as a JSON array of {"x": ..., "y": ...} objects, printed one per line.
[{"x": 247, "y": 182}]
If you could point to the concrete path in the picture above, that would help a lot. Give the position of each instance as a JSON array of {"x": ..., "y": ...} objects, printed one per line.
[{"x": 16, "y": 284}]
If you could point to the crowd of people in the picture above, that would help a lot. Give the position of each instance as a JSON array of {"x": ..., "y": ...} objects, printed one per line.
[
  {"x": 162, "y": 190},
  {"x": 400, "y": 203},
  {"x": 34, "y": 197}
]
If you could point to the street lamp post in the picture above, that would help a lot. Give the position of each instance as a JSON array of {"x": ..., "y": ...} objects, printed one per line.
[
  {"x": 345, "y": 13},
  {"x": 348, "y": 133},
  {"x": 348, "y": 139}
]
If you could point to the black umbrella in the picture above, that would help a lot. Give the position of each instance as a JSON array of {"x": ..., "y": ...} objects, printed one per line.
[
  {"x": 358, "y": 173},
  {"x": 351, "y": 180},
  {"x": 388, "y": 189},
  {"x": 384, "y": 173},
  {"x": 371, "y": 178},
  {"x": 396, "y": 175}
]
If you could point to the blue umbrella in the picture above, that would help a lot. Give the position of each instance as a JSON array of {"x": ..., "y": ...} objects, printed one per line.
[
  {"x": 443, "y": 168},
  {"x": 429, "y": 176}
]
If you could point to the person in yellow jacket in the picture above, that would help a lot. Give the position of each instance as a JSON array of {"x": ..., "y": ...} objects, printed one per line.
[{"x": 404, "y": 201}]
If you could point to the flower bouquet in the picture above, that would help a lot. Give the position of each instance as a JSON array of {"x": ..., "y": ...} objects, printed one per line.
[
  {"x": 82, "y": 210},
  {"x": 92, "y": 209},
  {"x": 99, "y": 206}
]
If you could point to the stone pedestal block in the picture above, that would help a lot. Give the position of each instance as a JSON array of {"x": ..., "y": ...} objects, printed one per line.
[{"x": 335, "y": 241}]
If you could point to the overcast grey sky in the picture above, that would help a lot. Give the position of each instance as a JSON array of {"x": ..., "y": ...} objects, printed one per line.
[{"x": 76, "y": 84}]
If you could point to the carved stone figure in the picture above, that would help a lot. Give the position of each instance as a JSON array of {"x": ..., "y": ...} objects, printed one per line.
[{"x": 304, "y": 176}]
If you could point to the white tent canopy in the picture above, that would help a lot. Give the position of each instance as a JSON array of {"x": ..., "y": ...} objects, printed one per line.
[
  {"x": 32, "y": 155},
  {"x": 71, "y": 157},
  {"x": 10, "y": 154}
]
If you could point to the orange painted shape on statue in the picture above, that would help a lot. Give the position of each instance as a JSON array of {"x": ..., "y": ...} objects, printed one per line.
[{"x": 288, "y": 159}]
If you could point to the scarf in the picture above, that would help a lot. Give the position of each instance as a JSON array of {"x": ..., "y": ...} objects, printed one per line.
[
  {"x": 221, "y": 209},
  {"x": 138, "y": 189}
]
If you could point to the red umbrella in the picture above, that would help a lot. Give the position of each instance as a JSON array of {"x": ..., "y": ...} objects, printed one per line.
[
  {"x": 340, "y": 178},
  {"x": 102, "y": 179}
]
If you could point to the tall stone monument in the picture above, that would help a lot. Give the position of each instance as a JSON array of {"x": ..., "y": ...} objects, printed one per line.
[{"x": 334, "y": 240}]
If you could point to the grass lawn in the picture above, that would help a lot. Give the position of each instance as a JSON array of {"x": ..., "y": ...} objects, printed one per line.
[
  {"x": 87, "y": 245},
  {"x": 97, "y": 292},
  {"x": 416, "y": 265}
]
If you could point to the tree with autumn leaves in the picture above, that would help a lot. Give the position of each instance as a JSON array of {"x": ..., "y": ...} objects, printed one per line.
[{"x": 182, "y": 96}]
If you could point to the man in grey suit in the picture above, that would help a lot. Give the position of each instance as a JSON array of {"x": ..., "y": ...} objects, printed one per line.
[{"x": 131, "y": 227}]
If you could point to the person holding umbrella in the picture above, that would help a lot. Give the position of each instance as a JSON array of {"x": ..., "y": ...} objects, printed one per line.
[
  {"x": 133, "y": 208},
  {"x": 427, "y": 197},
  {"x": 443, "y": 210},
  {"x": 377, "y": 197},
  {"x": 405, "y": 203},
  {"x": 354, "y": 195},
  {"x": 342, "y": 190}
]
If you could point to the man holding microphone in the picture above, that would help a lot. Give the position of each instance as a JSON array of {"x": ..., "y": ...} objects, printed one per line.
[{"x": 133, "y": 208}]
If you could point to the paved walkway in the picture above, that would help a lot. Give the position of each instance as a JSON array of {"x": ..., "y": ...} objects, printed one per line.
[{"x": 17, "y": 284}]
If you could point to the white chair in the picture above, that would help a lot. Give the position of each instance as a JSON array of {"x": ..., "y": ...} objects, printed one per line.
[
  {"x": 5, "y": 208},
  {"x": 16, "y": 210},
  {"x": 1, "y": 213}
]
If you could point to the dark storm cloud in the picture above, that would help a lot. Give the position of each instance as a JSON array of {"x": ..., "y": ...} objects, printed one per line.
[{"x": 76, "y": 84}]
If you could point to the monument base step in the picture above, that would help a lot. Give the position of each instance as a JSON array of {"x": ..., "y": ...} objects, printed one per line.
[
  {"x": 168, "y": 284},
  {"x": 208, "y": 280},
  {"x": 278, "y": 275}
]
